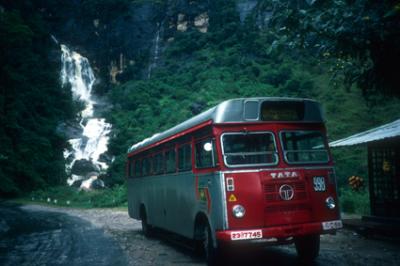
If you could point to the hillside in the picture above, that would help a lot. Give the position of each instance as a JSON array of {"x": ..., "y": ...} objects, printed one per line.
[
  {"x": 234, "y": 59},
  {"x": 161, "y": 62}
]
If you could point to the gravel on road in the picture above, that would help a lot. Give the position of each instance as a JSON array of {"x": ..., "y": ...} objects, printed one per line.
[{"x": 344, "y": 248}]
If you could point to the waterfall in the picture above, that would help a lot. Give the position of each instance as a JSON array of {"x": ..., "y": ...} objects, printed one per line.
[
  {"x": 54, "y": 39},
  {"x": 155, "y": 52},
  {"x": 93, "y": 140}
]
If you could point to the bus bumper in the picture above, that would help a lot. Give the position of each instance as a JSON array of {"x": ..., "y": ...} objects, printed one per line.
[{"x": 278, "y": 233}]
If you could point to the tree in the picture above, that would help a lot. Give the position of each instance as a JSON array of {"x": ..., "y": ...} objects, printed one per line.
[{"x": 363, "y": 36}]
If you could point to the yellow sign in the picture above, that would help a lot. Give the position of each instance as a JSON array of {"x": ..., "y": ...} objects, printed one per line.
[
  {"x": 202, "y": 194},
  {"x": 232, "y": 198},
  {"x": 386, "y": 167}
]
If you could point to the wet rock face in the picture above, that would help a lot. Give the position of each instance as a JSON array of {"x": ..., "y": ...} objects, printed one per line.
[
  {"x": 114, "y": 44},
  {"x": 83, "y": 167},
  {"x": 184, "y": 15},
  {"x": 245, "y": 7},
  {"x": 91, "y": 183},
  {"x": 70, "y": 130},
  {"x": 104, "y": 39},
  {"x": 120, "y": 43}
]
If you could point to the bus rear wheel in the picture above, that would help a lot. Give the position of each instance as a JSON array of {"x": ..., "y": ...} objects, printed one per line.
[
  {"x": 146, "y": 228},
  {"x": 307, "y": 247}
]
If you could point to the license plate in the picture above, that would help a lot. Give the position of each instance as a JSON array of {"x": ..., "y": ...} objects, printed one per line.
[
  {"x": 249, "y": 234},
  {"x": 332, "y": 225}
]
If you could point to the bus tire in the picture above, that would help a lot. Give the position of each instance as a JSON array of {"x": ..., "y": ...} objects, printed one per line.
[
  {"x": 211, "y": 253},
  {"x": 146, "y": 228},
  {"x": 307, "y": 247}
]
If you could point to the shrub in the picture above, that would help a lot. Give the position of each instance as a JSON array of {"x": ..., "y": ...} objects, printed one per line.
[
  {"x": 354, "y": 201},
  {"x": 70, "y": 196}
]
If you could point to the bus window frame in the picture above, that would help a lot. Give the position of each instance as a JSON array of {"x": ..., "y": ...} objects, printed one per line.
[
  {"x": 214, "y": 153},
  {"x": 171, "y": 148},
  {"x": 276, "y": 153},
  {"x": 131, "y": 167},
  {"x": 189, "y": 143},
  {"x": 154, "y": 155},
  {"x": 139, "y": 162},
  {"x": 150, "y": 161},
  {"x": 304, "y": 162},
  {"x": 245, "y": 109}
]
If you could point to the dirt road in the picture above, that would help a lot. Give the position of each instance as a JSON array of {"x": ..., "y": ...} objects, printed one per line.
[{"x": 38, "y": 235}]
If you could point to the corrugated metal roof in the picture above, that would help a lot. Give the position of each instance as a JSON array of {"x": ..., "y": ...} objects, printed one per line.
[{"x": 383, "y": 132}]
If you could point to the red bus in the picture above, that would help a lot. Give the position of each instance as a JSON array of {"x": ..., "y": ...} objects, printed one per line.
[{"x": 250, "y": 170}]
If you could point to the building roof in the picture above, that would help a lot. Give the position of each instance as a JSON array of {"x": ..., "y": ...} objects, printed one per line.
[
  {"x": 390, "y": 130},
  {"x": 231, "y": 111}
]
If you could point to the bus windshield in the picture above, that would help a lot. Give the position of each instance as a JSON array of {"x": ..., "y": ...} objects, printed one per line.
[
  {"x": 249, "y": 149},
  {"x": 304, "y": 147}
]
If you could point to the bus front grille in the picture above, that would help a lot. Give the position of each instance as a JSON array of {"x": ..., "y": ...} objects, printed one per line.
[
  {"x": 287, "y": 208},
  {"x": 271, "y": 191}
]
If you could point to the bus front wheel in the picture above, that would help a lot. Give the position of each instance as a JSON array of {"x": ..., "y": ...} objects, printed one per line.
[
  {"x": 307, "y": 247},
  {"x": 210, "y": 252}
]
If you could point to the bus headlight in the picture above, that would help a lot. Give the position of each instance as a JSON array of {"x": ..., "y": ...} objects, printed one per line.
[
  {"x": 238, "y": 211},
  {"x": 330, "y": 203}
]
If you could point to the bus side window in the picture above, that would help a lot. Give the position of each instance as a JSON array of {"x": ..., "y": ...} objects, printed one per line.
[
  {"x": 131, "y": 173},
  {"x": 170, "y": 161},
  {"x": 146, "y": 166},
  {"x": 205, "y": 154},
  {"x": 158, "y": 164},
  {"x": 185, "y": 157},
  {"x": 138, "y": 168}
]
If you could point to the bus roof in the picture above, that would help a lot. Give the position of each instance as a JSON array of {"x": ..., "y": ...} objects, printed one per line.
[{"x": 241, "y": 110}]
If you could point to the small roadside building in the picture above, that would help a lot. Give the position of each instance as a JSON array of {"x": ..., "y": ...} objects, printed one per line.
[{"x": 383, "y": 145}]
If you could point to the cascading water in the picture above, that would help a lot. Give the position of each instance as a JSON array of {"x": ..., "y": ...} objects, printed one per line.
[
  {"x": 93, "y": 140},
  {"x": 155, "y": 51}
]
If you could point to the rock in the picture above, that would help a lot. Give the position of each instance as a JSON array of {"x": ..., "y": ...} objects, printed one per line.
[
  {"x": 83, "y": 167},
  {"x": 70, "y": 130},
  {"x": 245, "y": 7},
  {"x": 182, "y": 24},
  {"x": 105, "y": 158},
  {"x": 130, "y": 32},
  {"x": 201, "y": 22},
  {"x": 77, "y": 183},
  {"x": 75, "y": 180},
  {"x": 92, "y": 183},
  {"x": 98, "y": 184}
]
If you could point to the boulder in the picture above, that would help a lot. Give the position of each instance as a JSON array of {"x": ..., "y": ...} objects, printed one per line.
[{"x": 83, "y": 168}]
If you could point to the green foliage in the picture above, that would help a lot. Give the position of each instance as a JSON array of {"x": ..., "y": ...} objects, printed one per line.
[
  {"x": 113, "y": 197},
  {"x": 32, "y": 104},
  {"x": 106, "y": 10},
  {"x": 354, "y": 201},
  {"x": 312, "y": 49},
  {"x": 361, "y": 35},
  {"x": 350, "y": 161},
  {"x": 236, "y": 59},
  {"x": 72, "y": 197}
]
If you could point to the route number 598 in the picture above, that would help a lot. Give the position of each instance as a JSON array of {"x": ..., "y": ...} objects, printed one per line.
[{"x": 319, "y": 183}]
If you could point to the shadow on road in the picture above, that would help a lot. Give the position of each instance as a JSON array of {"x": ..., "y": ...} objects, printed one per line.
[
  {"x": 49, "y": 238},
  {"x": 273, "y": 255}
]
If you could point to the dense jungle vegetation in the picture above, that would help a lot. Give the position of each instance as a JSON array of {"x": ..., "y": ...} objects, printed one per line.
[
  {"x": 32, "y": 105},
  {"x": 336, "y": 53},
  {"x": 343, "y": 53}
]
